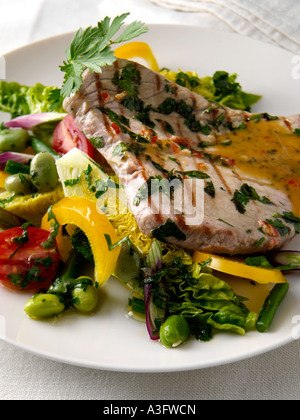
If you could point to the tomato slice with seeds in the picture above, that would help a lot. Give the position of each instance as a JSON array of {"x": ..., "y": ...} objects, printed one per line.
[
  {"x": 24, "y": 263},
  {"x": 67, "y": 135}
]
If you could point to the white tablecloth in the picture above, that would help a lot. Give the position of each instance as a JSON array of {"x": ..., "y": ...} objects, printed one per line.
[{"x": 274, "y": 375}]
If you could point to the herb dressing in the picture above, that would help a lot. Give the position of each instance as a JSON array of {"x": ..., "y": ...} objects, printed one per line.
[{"x": 266, "y": 150}]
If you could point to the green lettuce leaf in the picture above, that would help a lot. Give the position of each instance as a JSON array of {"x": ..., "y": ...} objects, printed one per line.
[
  {"x": 221, "y": 87},
  {"x": 17, "y": 99},
  {"x": 206, "y": 301}
]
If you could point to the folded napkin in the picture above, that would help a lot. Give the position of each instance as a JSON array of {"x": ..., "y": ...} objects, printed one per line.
[{"x": 272, "y": 21}]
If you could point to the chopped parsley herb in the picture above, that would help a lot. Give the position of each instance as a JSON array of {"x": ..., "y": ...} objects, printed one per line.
[
  {"x": 242, "y": 197},
  {"x": 26, "y": 182},
  {"x": 97, "y": 142},
  {"x": 155, "y": 184},
  {"x": 297, "y": 131},
  {"x": 137, "y": 305},
  {"x": 173, "y": 160},
  {"x": 168, "y": 229},
  {"x": 157, "y": 165},
  {"x": 128, "y": 80},
  {"x": 7, "y": 200},
  {"x": 46, "y": 262},
  {"x": 144, "y": 116},
  {"x": 87, "y": 172},
  {"x": 20, "y": 241},
  {"x": 226, "y": 223},
  {"x": 103, "y": 185},
  {"x": 264, "y": 116},
  {"x": 50, "y": 242},
  {"x": 258, "y": 244},
  {"x": 22, "y": 280},
  {"x": 210, "y": 189},
  {"x": 290, "y": 218},
  {"x": 281, "y": 228},
  {"x": 81, "y": 243},
  {"x": 258, "y": 261},
  {"x": 112, "y": 246},
  {"x": 123, "y": 123},
  {"x": 169, "y": 129},
  {"x": 72, "y": 182},
  {"x": 183, "y": 79},
  {"x": 122, "y": 148},
  {"x": 195, "y": 174},
  {"x": 170, "y": 105}
]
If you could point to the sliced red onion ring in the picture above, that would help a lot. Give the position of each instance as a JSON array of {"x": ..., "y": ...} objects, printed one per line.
[
  {"x": 16, "y": 157},
  {"x": 152, "y": 330},
  {"x": 286, "y": 258},
  {"x": 31, "y": 120}
]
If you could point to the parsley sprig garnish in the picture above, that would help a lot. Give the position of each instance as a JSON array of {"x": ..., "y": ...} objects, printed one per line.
[{"x": 91, "y": 48}]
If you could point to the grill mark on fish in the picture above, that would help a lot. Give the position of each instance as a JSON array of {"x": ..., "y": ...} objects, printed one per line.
[
  {"x": 101, "y": 103},
  {"x": 157, "y": 82},
  {"x": 221, "y": 178}
]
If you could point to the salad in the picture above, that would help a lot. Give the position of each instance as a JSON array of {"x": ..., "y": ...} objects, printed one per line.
[{"x": 57, "y": 192}]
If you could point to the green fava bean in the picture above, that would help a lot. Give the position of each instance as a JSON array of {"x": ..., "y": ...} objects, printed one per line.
[
  {"x": 85, "y": 296},
  {"x": 43, "y": 172},
  {"x": 174, "y": 331},
  {"x": 19, "y": 184},
  {"x": 44, "y": 305},
  {"x": 13, "y": 140}
]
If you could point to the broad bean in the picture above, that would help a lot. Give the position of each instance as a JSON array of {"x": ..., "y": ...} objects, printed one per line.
[
  {"x": 174, "y": 331},
  {"x": 13, "y": 140},
  {"x": 44, "y": 305},
  {"x": 43, "y": 172}
]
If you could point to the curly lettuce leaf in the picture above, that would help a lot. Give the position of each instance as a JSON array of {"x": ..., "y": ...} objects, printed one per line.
[
  {"x": 206, "y": 301},
  {"x": 221, "y": 87},
  {"x": 17, "y": 99}
]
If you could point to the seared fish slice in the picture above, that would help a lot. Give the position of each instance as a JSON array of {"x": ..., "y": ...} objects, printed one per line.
[{"x": 155, "y": 136}]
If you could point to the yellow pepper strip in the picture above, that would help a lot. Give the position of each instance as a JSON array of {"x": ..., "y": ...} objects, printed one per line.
[
  {"x": 82, "y": 212},
  {"x": 3, "y": 177},
  {"x": 138, "y": 49},
  {"x": 240, "y": 269}
]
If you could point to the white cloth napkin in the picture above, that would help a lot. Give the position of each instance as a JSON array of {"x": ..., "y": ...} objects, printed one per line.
[{"x": 272, "y": 21}]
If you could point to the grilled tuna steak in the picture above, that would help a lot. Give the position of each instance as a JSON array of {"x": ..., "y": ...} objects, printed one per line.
[{"x": 156, "y": 136}]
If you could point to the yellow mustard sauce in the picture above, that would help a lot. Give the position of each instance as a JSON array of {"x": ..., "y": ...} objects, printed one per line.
[{"x": 266, "y": 150}]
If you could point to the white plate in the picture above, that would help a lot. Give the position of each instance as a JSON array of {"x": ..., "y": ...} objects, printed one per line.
[{"x": 109, "y": 339}]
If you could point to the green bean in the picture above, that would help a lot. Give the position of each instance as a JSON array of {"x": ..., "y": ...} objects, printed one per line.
[
  {"x": 43, "y": 172},
  {"x": 13, "y": 140},
  {"x": 44, "y": 305},
  {"x": 174, "y": 331},
  {"x": 39, "y": 146},
  {"x": 84, "y": 295},
  {"x": 13, "y": 168},
  {"x": 19, "y": 184},
  {"x": 270, "y": 306}
]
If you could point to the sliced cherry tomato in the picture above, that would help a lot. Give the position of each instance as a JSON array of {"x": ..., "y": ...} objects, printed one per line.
[
  {"x": 24, "y": 263},
  {"x": 67, "y": 135}
]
